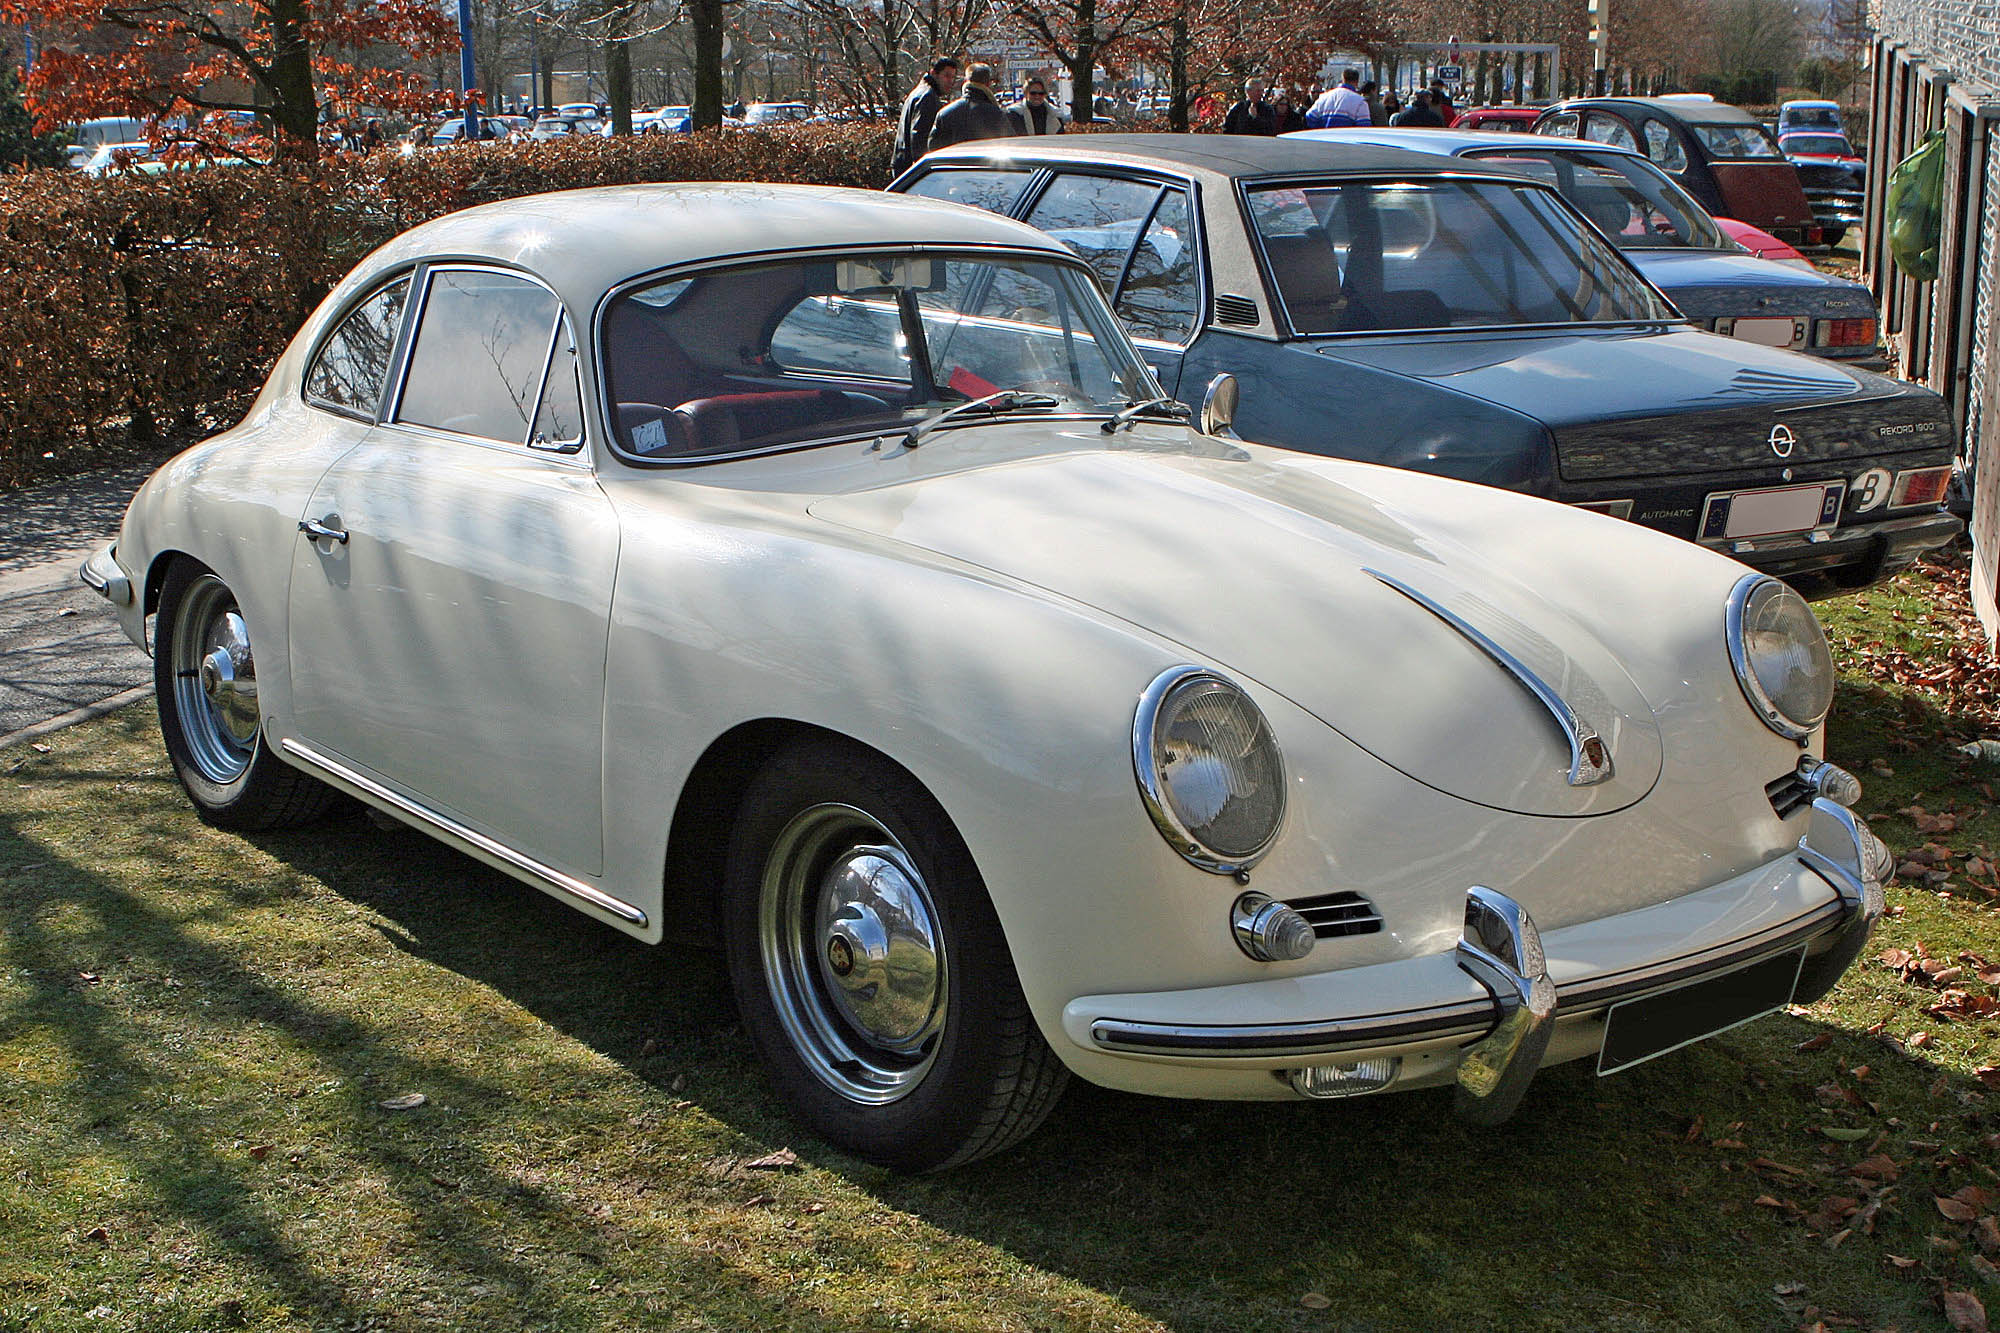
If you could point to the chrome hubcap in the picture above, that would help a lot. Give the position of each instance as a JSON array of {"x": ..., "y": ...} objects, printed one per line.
[
  {"x": 852, "y": 953},
  {"x": 215, "y": 681}
]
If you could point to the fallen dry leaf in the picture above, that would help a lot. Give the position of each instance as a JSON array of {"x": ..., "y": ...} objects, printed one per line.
[
  {"x": 1987, "y": 1234},
  {"x": 1819, "y": 1043},
  {"x": 760, "y": 1201},
  {"x": 1316, "y": 1300},
  {"x": 98, "y": 1234},
  {"x": 1954, "y": 1210},
  {"x": 784, "y": 1159},
  {"x": 260, "y": 1152},
  {"x": 1875, "y": 1167},
  {"x": 1963, "y": 1311},
  {"x": 1988, "y": 1074},
  {"x": 404, "y": 1101}
]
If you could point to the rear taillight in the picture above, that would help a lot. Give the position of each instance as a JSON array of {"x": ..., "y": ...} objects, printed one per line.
[
  {"x": 1814, "y": 235},
  {"x": 1923, "y": 486},
  {"x": 1845, "y": 333}
]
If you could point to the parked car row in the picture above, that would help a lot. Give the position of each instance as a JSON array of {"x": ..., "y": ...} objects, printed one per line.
[{"x": 994, "y": 629}]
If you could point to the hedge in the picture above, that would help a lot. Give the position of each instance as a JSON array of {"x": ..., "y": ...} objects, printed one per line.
[{"x": 132, "y": 305}]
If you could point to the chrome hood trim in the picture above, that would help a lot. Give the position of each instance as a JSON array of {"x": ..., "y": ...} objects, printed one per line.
[{"x": 1297, "y": 547}]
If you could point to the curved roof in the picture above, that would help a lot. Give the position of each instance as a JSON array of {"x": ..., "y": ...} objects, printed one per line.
[
  {"x": 1694, "y": 111},
  {"x": 584, "y": 241},
  {"x": 1448, "y": 142},
  {"x": 1235, "y": 156}
]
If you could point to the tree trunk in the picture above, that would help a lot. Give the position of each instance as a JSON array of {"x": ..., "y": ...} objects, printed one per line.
[
  {"x": 1083, "y": 95},
  {"x": 707, "y": 17},
  {"x": 1177, "y": 76},
  {"x": 294, "y": 108},
  {"x": 618, "y": 83}
]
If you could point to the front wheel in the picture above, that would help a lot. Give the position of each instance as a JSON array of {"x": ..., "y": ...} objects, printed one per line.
[
  {"x": 870, "y": 968},
  {"x": 205, "y": 676}
]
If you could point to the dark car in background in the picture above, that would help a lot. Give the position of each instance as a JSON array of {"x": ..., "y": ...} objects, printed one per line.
[
  {"x": 1671, "y": 239},
  {"x": 1834, "y": 175},
  {"x": 1459, "y": 317},
  {"x": 1721, "y": 154}
]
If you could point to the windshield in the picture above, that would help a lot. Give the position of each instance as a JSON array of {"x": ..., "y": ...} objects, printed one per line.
[
  {"x": 1737, "y": 140},
  {"x": 1364, "y": 256},
  {"x": 1628, "y": 198},
  {"x": 1828, "y": 145},
  {"x": 764, "y": 355}
]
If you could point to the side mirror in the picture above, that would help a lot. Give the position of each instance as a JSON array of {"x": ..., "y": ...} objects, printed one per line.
[{"x": 1218, "y": 405}]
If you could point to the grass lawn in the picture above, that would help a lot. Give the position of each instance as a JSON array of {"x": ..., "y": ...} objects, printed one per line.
[{"x": 198, "y": 1033}]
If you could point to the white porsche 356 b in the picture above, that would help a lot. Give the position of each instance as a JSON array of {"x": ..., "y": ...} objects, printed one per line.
[{"x": 822, "y": 574}]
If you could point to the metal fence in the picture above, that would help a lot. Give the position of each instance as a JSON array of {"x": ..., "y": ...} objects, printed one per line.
[{"x": 1936, "y": 66}]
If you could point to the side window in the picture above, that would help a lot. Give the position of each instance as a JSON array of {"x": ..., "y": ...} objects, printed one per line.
[
  {"x": 482, "y": 345},
  {"x": 1603, "y": 128},
  {"x": 1664, "y": 147},
  {"x": 559, "y": 419},
  {"x": 1162, "y": 290},
  {"x": 352, "y": 364},
  {"x": 1096, "y": 216},
  {"x": 994, "y": 191},
  {"x": 1562, "y": 125}
]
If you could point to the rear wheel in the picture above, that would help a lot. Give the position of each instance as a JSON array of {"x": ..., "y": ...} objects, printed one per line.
[
  {"x": 205, "y": 676},
  {"x": 870, "y": 968}
]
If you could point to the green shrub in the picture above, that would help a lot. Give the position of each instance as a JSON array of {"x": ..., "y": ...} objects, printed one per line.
[{"x": 134, "y": 303}]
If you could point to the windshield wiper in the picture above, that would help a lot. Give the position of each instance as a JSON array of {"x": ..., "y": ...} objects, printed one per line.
[
  {"x": 1005, "y": 400},
  {"x": 1172, "y": 408}
]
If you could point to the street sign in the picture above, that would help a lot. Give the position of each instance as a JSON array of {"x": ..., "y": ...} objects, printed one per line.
[{"x": 1451, "y": 74}]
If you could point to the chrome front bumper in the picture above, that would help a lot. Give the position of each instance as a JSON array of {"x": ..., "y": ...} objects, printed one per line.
[
  {"x": 102, "y": 575},
  {"x": 1498, "y": 1041}
]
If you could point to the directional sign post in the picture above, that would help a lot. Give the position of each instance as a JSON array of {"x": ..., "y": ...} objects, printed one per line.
[{"x": 1453, "y": 74}]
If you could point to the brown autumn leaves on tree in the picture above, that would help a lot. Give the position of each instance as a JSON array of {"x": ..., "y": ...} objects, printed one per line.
[{"x": 273, "y": 57}]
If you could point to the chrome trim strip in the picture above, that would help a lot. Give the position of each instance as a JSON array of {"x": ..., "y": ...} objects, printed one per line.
[
  {"x": 1475, "y": 1019},
  {"x": 452, "y": 830},
  {"x": 1589, "y": 757}
]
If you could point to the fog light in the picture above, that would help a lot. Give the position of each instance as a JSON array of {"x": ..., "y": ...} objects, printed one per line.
[
  {"x": 1345, "y": 1080},
  {"x": 1830, "y": 780},
  {"x": 1269, "y": 931}
]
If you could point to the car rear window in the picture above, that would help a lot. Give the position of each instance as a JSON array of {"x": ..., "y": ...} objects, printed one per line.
[
  {"x": 1369, "y": 256},
  {"x": 1633, "y": 202},
  {"x": 1830, "y": 145},
  {"x": 1737, "y": 140}
]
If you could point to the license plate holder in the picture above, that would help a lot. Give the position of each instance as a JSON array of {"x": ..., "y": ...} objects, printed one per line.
[
  {"x": 1772, "y": 511},
  {"x": 1636, "y": 1031}
]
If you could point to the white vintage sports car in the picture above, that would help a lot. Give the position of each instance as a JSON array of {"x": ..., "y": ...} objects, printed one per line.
[{"x": 822, "y": 574}]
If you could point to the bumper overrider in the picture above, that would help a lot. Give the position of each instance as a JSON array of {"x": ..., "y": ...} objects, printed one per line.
[{"x": 1505, "y": 1000}]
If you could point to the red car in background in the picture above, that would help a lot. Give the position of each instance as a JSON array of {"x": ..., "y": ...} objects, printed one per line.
[{"x": 1518, "y": 119}]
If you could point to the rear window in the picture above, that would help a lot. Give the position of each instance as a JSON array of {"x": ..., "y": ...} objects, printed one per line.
[
  {"x": 1368, "y": 256},
  {"x": 1737, "y": 140},
  {"x": 1633, "y": 202},
  {"x": 1827, "y": 145}
]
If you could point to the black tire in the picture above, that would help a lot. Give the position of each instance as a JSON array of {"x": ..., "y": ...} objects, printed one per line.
[
  {"x": 219, "y": 752},
  {"x": 983, "y": 1079}
]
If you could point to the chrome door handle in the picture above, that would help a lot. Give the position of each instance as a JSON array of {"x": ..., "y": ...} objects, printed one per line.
[{"x": 319, "y": 531}]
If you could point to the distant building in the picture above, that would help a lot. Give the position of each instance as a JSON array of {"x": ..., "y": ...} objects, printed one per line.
[{"x": 1936, "y": 65}]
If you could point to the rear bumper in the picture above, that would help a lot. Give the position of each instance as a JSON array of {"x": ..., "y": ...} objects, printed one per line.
[
  {"x": 1488, "y": 1012},
  {"x": 1856, "y": 555}
]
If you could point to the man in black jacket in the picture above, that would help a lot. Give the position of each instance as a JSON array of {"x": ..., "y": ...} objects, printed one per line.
[
  {"x": 920, "y": 110},
  {"x": 977, "y": 114},
  {"x": 1252, "y": 115}
]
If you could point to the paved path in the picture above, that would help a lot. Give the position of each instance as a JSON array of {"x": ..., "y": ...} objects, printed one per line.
[{"x": 61, "y": 650}]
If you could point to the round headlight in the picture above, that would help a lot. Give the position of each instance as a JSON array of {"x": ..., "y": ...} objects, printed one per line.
[
  {"x": 1780, "y": 655},
  {"x": 1209, "y": 769}
]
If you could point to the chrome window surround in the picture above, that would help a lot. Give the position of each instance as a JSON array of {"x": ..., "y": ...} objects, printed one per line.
[
  {"x": 598, "y": 385},
  {"x": 1153, "y": 792},
  {"x": 399, "y": 365},
  {"x": 1739, "y": 658},
  {"x": 1290, "y": 332},
  {"x": 392, "y": 375}
]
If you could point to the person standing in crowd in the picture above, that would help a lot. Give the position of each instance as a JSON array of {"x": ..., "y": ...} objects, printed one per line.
[
  {"x": 371, "y": 135},
  {"x": 977, "y": 114},
  {"x": 1252, "y": 115},
  {"x": 1340, "y": 105},
  {"x": 1441, "y": 104},
  {"x": 1419, "y": 114},
  {"x": 1371, "y": 93},
  {"x": 1287, "y": 113},
  {"x": 1033, "y": 114},
  {"x": 1391, "y": 105},
  {"x": 920, "y": 112}
]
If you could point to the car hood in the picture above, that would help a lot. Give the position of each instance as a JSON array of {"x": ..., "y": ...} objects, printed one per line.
[
  {"x": 1271, "y": 568},
  {"x": 1710, "y": 284},
  {"x": 1667, "y": 402}
]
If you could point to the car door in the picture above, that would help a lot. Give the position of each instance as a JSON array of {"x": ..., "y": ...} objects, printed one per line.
[
  {"x": 451, "y": 586},
  {"x": 1139, "y": 238}
]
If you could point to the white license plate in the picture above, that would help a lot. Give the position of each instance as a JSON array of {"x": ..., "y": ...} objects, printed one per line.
[
  {"x": 1768, "y": 332},
  {"x": 1767, "y": 513}
]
